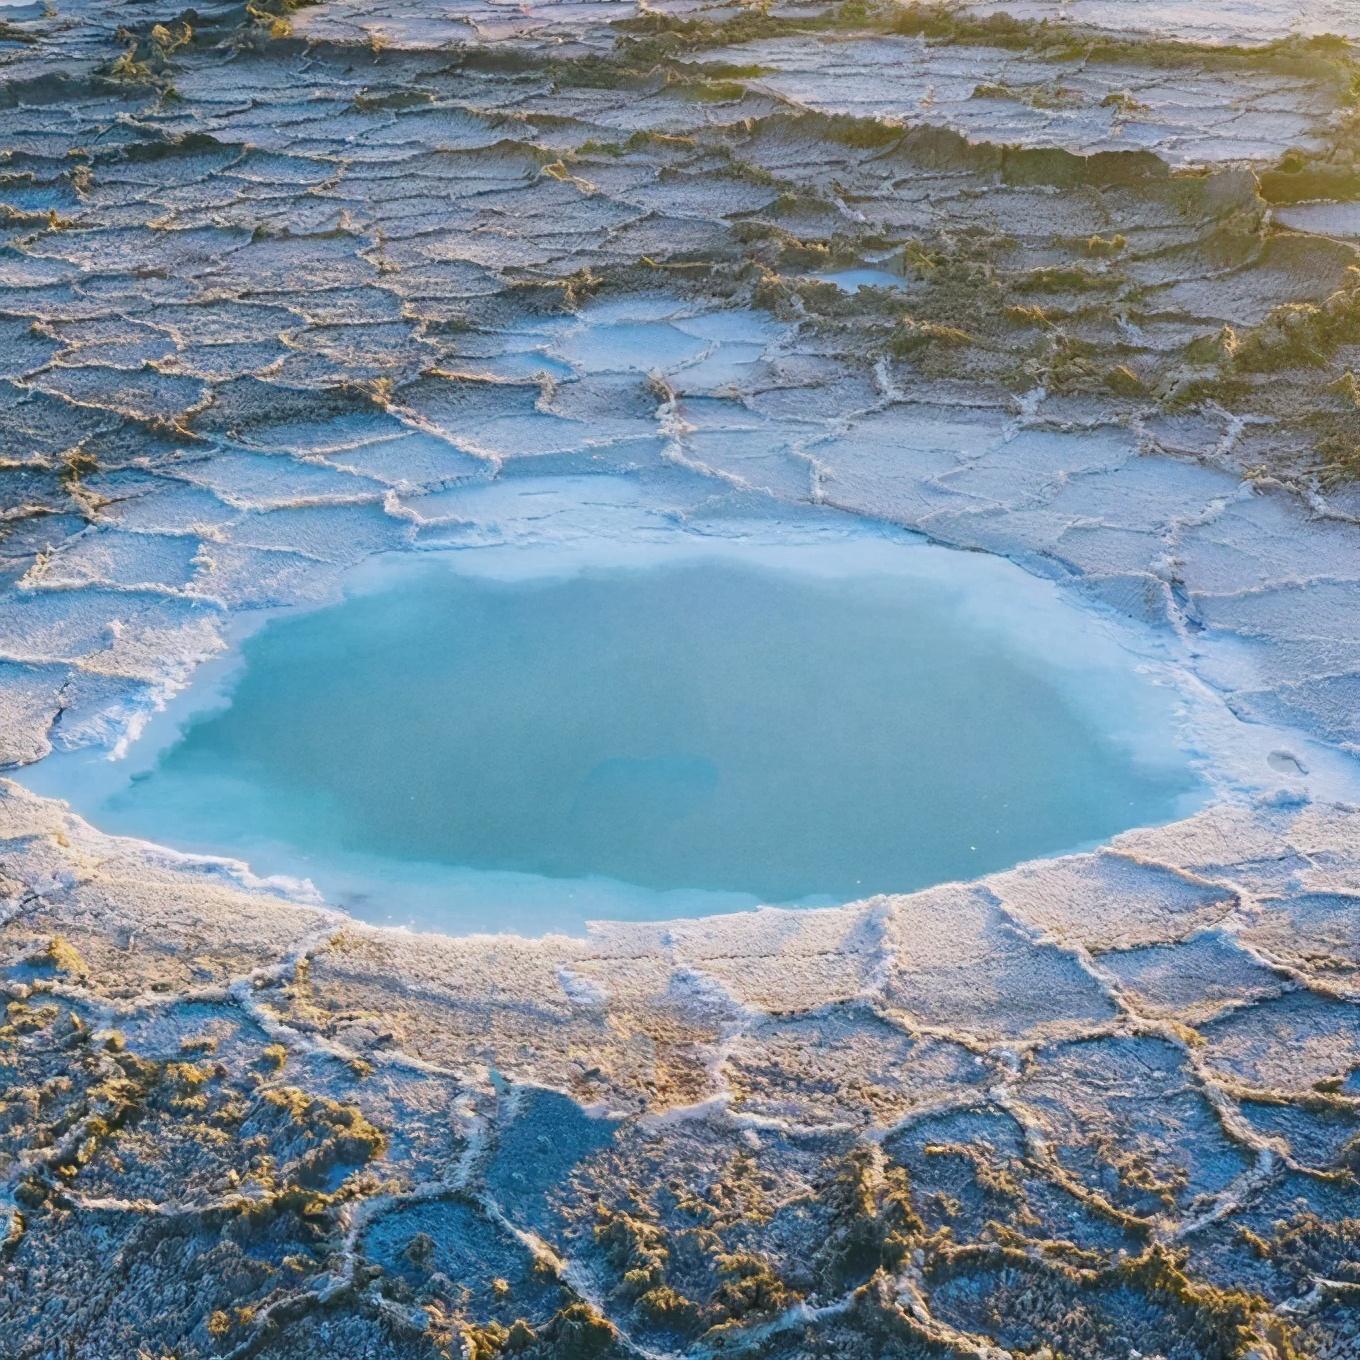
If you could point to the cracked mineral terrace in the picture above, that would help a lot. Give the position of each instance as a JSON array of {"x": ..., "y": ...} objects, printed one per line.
[{"x": 285, "y": 288}]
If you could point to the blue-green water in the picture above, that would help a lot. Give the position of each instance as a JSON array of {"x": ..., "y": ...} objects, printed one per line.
[{"x": 474, "y": 751}]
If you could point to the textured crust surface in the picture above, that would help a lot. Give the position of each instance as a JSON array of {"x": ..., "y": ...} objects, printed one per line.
[{"x": 285, "y": 287}]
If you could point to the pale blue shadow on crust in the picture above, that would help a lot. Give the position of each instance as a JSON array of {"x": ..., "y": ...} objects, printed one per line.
[{"x": 511, "y": 740}]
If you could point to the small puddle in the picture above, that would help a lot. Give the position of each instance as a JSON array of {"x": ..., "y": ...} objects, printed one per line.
[
  {"x": 525, "y": 739},
  {"x": 852, "y": 280}
]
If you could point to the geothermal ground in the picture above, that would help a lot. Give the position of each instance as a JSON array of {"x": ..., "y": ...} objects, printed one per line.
[{"x": 1069, "y": 282}]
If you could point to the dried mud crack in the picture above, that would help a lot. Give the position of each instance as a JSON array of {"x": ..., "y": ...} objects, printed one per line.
[{"x": 283, "y": 287}]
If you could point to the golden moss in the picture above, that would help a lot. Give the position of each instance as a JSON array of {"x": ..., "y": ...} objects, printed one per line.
[
  {"x": 168, "y": 39},
  {"x": 58, "y": 956},
  {"x": 912, "y": 335},
  {"x": 274, "y": 17},
  {"x": 1103, "y": 247},
  {"x": 632, "y": 1244},
  {"x": 665, "y": 1307},
  {"x": 1061, "y": 279},
  {"x": 750, "y": 1287},
  {"x": 1301, "y": 333},
  {"x": 579, "y": 1332},
  {"x": 1234, "y": 1318},
  {"x": 128, "y": 69},
  {"x": 483, "y": 1341}
]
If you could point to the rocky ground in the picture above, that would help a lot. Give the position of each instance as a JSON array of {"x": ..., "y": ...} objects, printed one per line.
[{"x": 283, "y": 287}]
